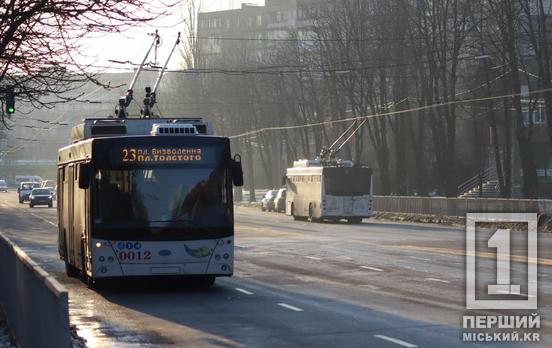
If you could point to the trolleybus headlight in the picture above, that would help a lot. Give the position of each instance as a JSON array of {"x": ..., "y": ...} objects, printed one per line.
[
  {"x": 102, "y": 259},
  {"x": 103, "y": 269},
  {"x": 224, "y": 267},
  {"x": 98, "y": 244},
  {"x": 229, "y": 242},
  {"x": 226, "y": 256},
  {"x": 221, "y": 242},
  {"x": 217, "y": 257}
]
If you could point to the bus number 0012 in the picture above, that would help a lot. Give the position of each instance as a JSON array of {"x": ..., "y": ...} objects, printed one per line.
[{"x": 134, "y": 255}]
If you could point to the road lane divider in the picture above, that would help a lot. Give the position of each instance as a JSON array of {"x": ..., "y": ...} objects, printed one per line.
[
  {"x": 243, "y": 291},
  {"x": 396, "y": 341},
  {"x": 313, "y": 258},
  {"x": 487, "y": 255},
  {"x": 438, "y": 280},
  {"x": 293, "y": 308},
  {"x": 35, "y": 303},
  {"x": 44, "y": 219},
  {"x": 508, "y": 293},
  {"x": 372, "y": 268}
]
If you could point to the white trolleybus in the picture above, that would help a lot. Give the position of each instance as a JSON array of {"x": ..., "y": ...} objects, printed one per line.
[
  {"x": 328, "y": 190},
  {"x": 146, "y": 197}
]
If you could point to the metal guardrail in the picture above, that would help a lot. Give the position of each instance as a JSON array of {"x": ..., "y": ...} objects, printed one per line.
[
  {"x": 36, "y": 305},
  {"x": 459, "y": 206}
]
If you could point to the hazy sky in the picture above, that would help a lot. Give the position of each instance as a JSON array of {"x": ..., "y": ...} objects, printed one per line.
[{"x": 133, "y": 44}]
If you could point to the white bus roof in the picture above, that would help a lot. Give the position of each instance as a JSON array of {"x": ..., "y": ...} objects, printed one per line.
[{"x": 102, "y": 127}]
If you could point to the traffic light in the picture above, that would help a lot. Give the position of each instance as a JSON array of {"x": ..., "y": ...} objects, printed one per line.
[{"x": 10, "y": 102}]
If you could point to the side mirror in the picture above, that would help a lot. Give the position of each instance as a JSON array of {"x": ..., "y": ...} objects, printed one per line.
[
  {"x": 237, "y": 171},
  {"x": 85, "y": 175}
]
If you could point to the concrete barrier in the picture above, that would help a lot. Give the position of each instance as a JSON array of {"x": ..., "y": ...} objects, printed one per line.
[
  {"x": 36, "y": 305},
  {"x": 459, "y": 206}
]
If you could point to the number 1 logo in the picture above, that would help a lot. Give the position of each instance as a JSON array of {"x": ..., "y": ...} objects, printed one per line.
[{"x": 501, "y": 241}]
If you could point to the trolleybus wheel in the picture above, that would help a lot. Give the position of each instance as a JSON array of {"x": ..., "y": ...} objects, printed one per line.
[
  {"x": 71, "y": 270},
  {"x": 292, "y": 212},
  {"x": 354, "y": 220},
  {"x": 311, "y": 218},
  {"x": 206, "y": 281}
]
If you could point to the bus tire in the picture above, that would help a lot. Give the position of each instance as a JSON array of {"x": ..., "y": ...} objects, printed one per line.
[
  {"x": 71, "y": 270},
  {"x": 292, "y": 212},
  {"x": 50, "y": 205},
  {"x": 354, "y": 220},
  {"x": 310, "y": 218},
  {"x": 206, "y": 281}
]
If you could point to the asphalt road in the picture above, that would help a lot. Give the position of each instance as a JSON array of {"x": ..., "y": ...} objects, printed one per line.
[{"x": 296, "y": 284}]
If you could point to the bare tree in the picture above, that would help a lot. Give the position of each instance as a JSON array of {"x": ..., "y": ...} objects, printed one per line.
[
  {"x": 190, "y": 47},
  {"x": 40, "y": 41}
]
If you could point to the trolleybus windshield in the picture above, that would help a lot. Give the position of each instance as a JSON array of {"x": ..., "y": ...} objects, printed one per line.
[
  {"x": 163, "y": 200},
  {"x": 345, "y": 181}
]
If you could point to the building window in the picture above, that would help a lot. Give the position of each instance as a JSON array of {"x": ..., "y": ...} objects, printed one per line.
[
  {"x": 278, "y": 16},
  {"x": 259, "y": 20},
  {"x": 249, "y": 21},
  {"x": 537, "y": 114},
  {"x": 227, "y": 24}
]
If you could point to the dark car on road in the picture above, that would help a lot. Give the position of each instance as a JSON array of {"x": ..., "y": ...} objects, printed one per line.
[
  {"x": 3, "y": 186},
  {"x": 280, "y": 201},
  {"x": 267, "y": 203},
  {"x": 40, "y": 196}
]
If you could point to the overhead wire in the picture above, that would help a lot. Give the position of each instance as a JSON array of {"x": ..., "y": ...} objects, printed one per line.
[{"x": 391, "y": 113}]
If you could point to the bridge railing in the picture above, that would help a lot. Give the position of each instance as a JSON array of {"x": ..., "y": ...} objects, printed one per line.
[
  {"x": 459, "y": 206},
  {"x": 36, "y": 305}
]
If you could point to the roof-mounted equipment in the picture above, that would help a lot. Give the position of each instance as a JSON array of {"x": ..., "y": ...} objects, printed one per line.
[{"x": 125, "y": 100}]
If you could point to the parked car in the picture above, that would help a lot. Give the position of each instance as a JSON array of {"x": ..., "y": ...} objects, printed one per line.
[
  {"x": 24, "y": 190},
  {"x": 267, "y": 203},
  {"x": 3, "y": 186},
  {"x": 280, "y": 201},
  {"x": 40, "y": 196}
]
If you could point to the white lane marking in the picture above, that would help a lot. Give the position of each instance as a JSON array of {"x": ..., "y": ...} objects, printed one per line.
[
  {"x": 244, "y": 291},
  {"x": 293, "y": 308},
  {"x": 397, "y": 341},
  {"x": 372, "y": 268},
  {"x": 438, "y": 280},
  {"x": 507, "y": 293},
  {"x": 44, "y": 219},
  {"x": 313, "y": 258},
  {"x": 419, "y": 258}
]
